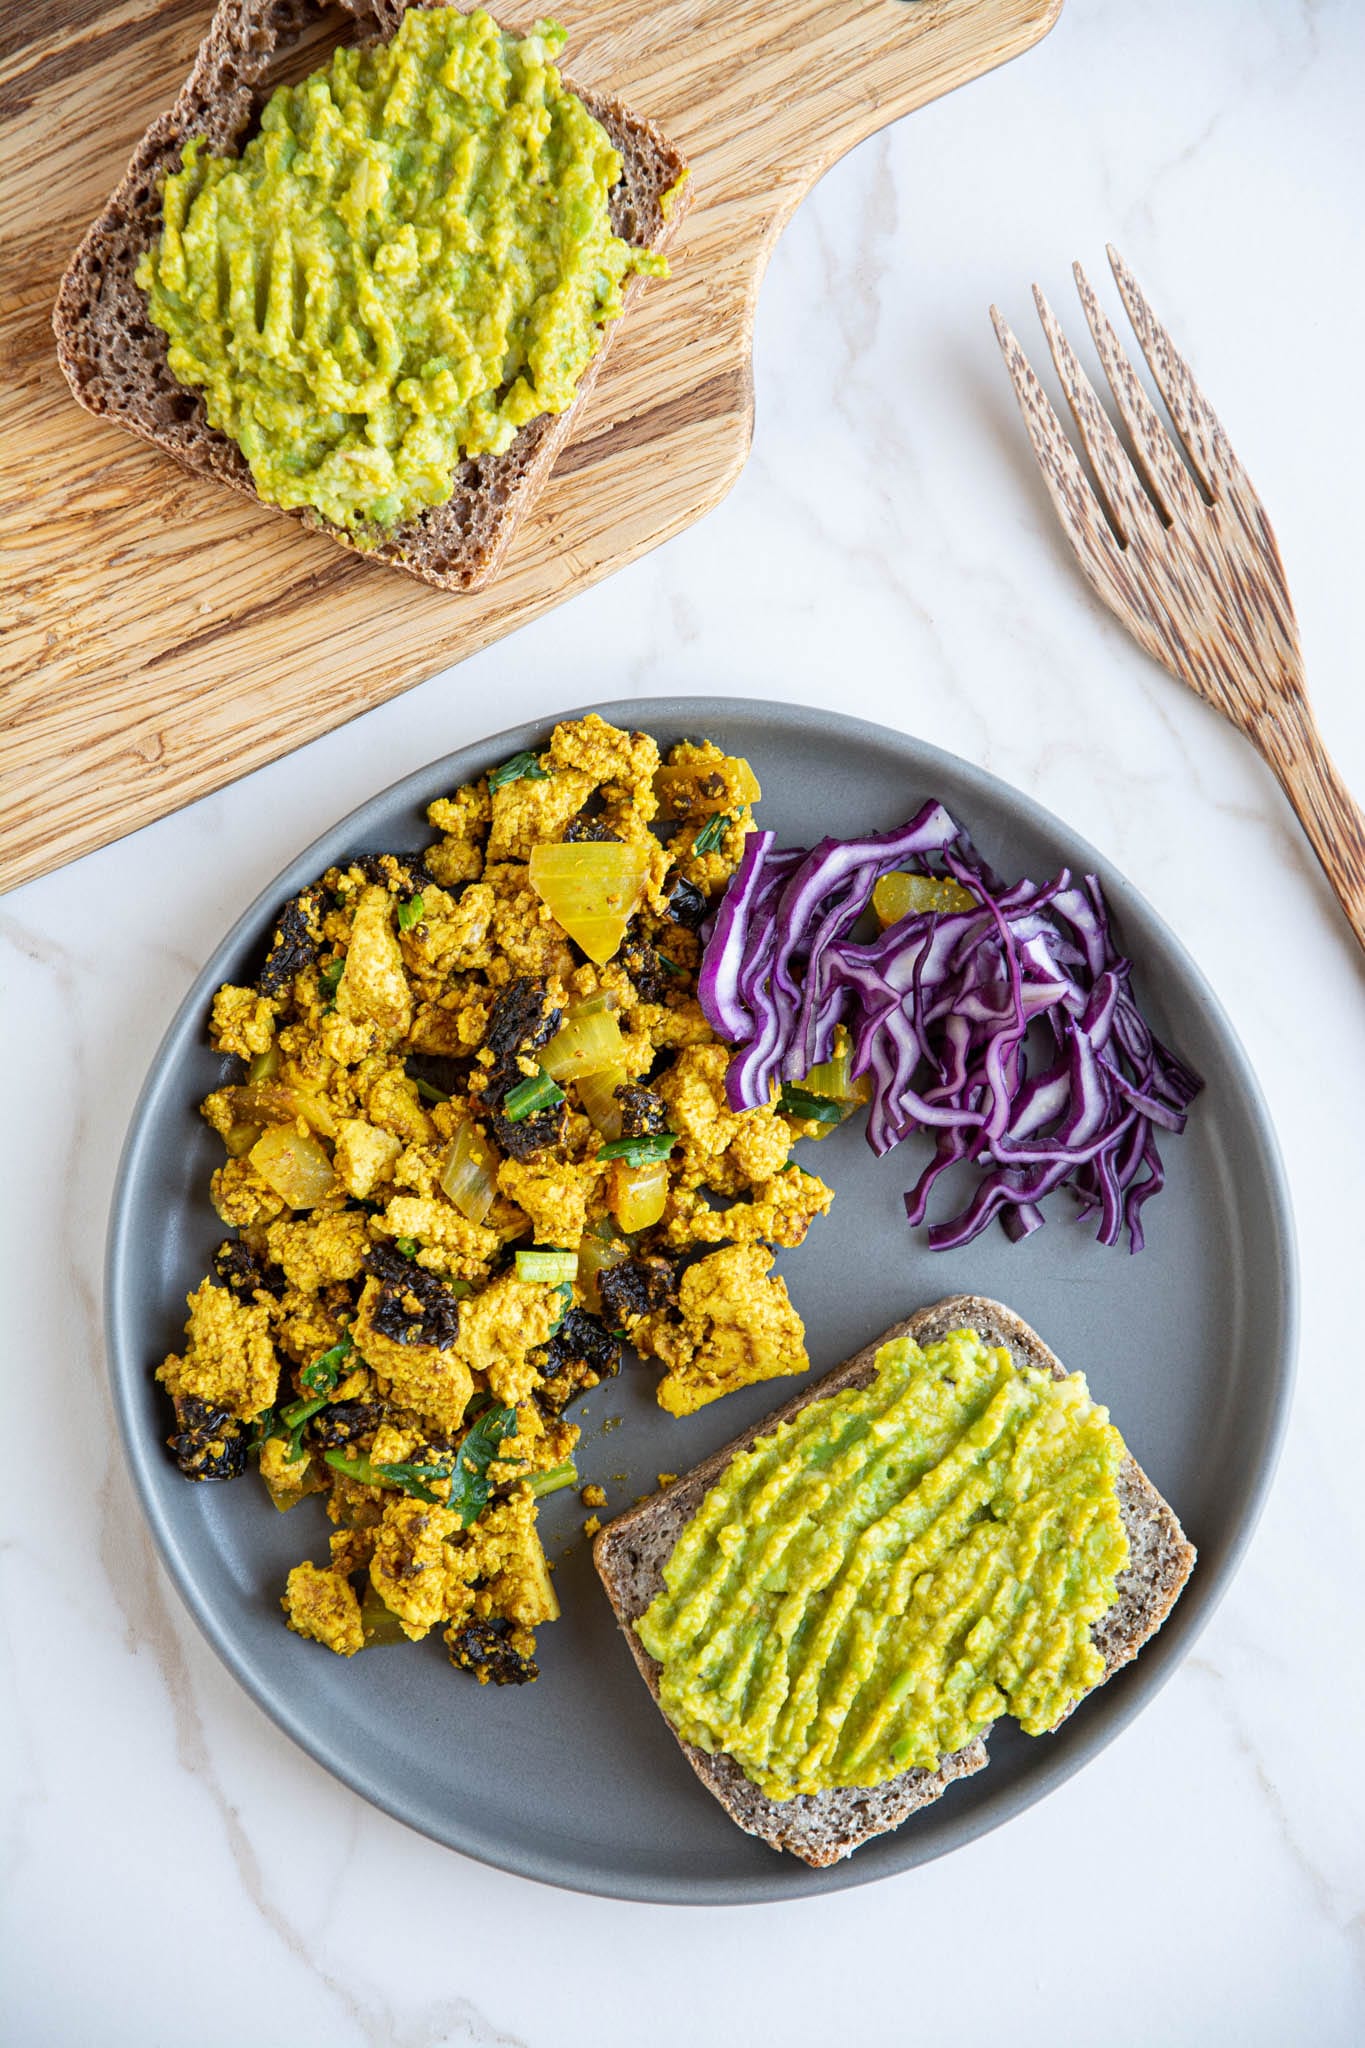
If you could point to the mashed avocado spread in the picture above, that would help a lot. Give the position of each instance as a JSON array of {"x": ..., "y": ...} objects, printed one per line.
[
  {"x": 870, "y": 1586},
  {"x": 410, "y": 260}
]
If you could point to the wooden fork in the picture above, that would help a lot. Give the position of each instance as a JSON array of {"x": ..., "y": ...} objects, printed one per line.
[{"x": 1192, "y": 569}]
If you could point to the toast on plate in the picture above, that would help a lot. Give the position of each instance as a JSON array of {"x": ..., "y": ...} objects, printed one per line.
[{"x": 823, "y": 1827}]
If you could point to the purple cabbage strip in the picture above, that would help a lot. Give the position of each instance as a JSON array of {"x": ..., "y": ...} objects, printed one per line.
[
  {"x": 720, "y": 971},
  {"x": 938, "y": 1009}
]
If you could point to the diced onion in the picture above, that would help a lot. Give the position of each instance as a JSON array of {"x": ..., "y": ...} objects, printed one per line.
[
  {"x": 293, "y": 1164},
  {"x": 597, "y": 1096},
  {"x": 834, "y": 1078},
  {"x": 597, "y": 1253},
  {"x": 286, "y": 1497},
  {"x": 638, "y": 1194},
  {"x": 592, "y": 888},
  {"x": 378, "y": 1622},
  {"x": 681, "y": 793},
  {"x": 469, "y": 1175},
  {"x": 899, "y": 895},
  {"x": 584, "y": 1045},
  {"x": 279, "y": 1102}
]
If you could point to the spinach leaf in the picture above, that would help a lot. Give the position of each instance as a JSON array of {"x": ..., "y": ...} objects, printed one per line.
[
  {"x": 470, "y": 1486},
  {"x": 521, "y": 768},
  {"x": 322, "y": 1375}
]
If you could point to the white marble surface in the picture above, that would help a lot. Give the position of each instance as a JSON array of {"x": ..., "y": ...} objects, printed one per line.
[{"x": 175, "y": 1872}]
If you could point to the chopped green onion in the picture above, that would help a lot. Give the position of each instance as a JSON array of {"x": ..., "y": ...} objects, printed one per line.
[
  {"x": 521, "y": 768},
  {"x": 322, "y": 1375},
  {"x": 833, "y": 1077},
  {"x": 358, "y": 1468},
  {"x": 558, "y": 1476},
  {"x": 410, "y": 913},
  {"x": 549, "y": 1266},
  {"x": 535, "y": 1093},
  {"x": 408, "y": 1478},
  {"x": 329, "y": 978},
  {"x": 295, "y": 1418},
  {"x": 711, "y": 833},
  {"x": 407, "y": 1246},
  {"x": 427, "y": 1091},
  {"x": 671, "y": 966},
  {"x": 815, "y": 1109},
  {"x": 642, "y": 1151}
]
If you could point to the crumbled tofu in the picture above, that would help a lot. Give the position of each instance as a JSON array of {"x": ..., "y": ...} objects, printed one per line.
[
  {"x": 736, "y": 1326},
  {"x": 228, "y": 1361},
  {"x": 322, "y": 1604},
  {"x": 406, "y": 994}
]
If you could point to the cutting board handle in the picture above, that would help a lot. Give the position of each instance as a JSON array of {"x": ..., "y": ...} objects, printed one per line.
[{"x": 776, "y": 91}]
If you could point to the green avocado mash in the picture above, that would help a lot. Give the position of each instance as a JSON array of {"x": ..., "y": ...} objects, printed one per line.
[
  {"x": 874, "y": 1583},
  {"x": 411, "y": 259}
]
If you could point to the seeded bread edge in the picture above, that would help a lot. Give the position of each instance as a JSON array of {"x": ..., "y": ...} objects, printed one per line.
[
  {"x": 114, "y": 359},
  {"x": 822, "y": 1828}
]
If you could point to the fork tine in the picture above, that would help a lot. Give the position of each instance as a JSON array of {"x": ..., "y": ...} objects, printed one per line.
[
  {"x": 1077, "y": 506},
  {"x": 1196, "y": 422},
  {"x": 1127, "y": 502},
  {"x": 1212, "y": 453},
  {"x": 1166, "y": 476}
]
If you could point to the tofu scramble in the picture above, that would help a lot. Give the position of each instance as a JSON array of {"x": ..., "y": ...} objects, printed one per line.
[{"x": 479, "y": 1138}]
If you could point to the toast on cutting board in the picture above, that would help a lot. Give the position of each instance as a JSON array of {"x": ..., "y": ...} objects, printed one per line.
[
  {"x": 824, "y": 1827},
  {"x": 115, "y": 359}
]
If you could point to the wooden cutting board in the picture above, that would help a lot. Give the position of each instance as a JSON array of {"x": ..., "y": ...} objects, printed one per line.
[{"x": 160, "y": 635}]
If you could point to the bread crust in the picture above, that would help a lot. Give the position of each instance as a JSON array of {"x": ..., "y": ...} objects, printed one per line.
[
  {"x": 114, "y": 359},
  {"x": 822, "y": 1828}
]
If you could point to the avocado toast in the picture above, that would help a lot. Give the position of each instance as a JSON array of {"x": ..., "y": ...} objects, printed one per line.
[
  {"x": 115, "y": 358},
  {"x": 823, "y": 1827}
]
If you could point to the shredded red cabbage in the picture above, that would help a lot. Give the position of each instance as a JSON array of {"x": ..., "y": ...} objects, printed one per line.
[{"x": 938, "y": 1009}]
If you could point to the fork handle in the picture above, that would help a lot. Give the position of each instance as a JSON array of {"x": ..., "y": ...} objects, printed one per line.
[{"x": 1292, "y": 745}]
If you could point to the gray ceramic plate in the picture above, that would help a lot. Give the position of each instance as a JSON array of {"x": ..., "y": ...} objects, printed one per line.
[{"x": 577, "y": 1780}]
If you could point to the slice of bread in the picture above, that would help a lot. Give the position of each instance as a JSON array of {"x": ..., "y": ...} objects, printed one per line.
[
  {"x": 115, "y": 359},
  {"x": 823, "y": 1827}
]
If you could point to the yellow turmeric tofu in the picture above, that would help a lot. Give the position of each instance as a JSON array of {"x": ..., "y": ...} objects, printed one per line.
[
  {"x": 476, "y": 1129},
  {"x": 736, "y": 1325},
  {"x": 229, "y": 1360},
  {"x": 322, "y": 1604}
]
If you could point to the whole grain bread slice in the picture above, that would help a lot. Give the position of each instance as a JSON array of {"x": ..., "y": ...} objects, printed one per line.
[
  {"x": 823, "y": 1827},
  {"x": 114, "y": 359}
]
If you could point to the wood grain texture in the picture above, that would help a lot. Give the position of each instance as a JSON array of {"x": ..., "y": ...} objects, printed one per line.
[
  {"x": 161, "y": 637},
  {"x": 1180, "y": 549}
]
